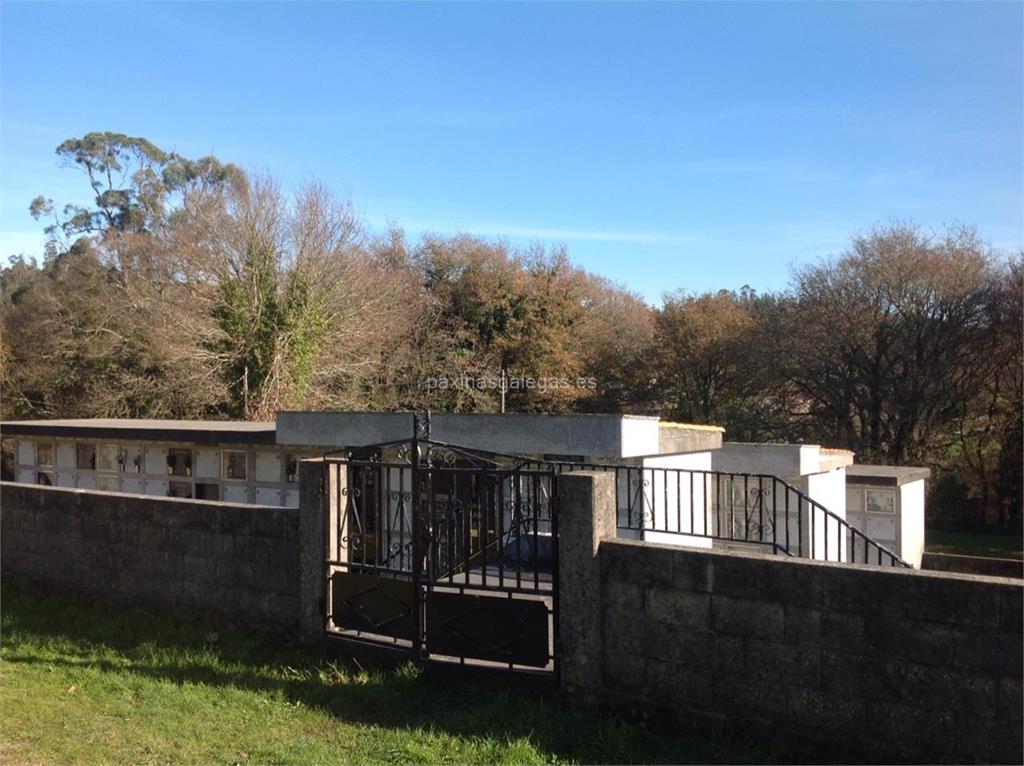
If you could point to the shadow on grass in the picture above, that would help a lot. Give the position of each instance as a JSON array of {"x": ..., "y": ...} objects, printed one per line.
[{"x": 133, "y": 641}]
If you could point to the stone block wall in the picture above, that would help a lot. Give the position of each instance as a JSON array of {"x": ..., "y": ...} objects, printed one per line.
[
  {"x": 878, "y": 663},
  {"x": 820, "y": 661},
  {"x": 824, "y": 660},
  {"x": 188, "y": 557}
]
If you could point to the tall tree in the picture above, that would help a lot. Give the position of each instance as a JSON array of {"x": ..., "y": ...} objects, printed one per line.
[
  {"x": 984, "y": 446},
  {"x": 504, "y": 311},
  {"x": 278, "y": 297},
  {"x": 888, "y": 341},
  {"x": 135, "y": 184},
  {"x": 617, "y": 346},
  {"x": 704, "y": 342}
]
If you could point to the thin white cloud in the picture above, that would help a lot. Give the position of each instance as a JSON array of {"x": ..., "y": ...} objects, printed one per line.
[
  {"x": 587, "y": 235},
  {"x": 520, "y": 231}
]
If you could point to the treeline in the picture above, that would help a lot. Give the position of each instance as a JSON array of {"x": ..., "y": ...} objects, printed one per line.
[{"x": 190, "y": 289}]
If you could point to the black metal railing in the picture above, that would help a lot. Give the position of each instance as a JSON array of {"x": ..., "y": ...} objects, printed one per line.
[
  {"x": 741, "y": 509},
  {"x": 445, "y": 552},
  {"x": 759, "y": 511},
  {"x": 466, "y": 518}
]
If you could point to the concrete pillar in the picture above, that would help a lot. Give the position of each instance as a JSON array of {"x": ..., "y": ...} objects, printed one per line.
[
  {"x": 586, "y": 516},
  {"x": 320, "y": 494}
]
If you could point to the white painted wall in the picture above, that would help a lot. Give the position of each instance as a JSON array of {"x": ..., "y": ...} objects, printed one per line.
[
  {"x": 133, "y": 485},
  {"x": 234, "y": 493},
  {"x": 639, "y": 437},
  {"x": 780, "y": 460},
  {"x": 697, "y": 461},
  {"x": 678, "y": 501},
  {"x": 157, "y": 487},
  {"x": 911, "y": 513},
  {"x": 828, "y": 489},
  {"x": 776, "y": 459}
]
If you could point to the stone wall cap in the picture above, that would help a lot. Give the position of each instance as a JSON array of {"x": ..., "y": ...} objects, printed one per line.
[
  {"x": 885, "y": 475},
  {"x": 691, "y": 426},
  {"x": 17, "y": 485},
  {"x": 800, "y": 562},
  {"x": 198, "y": 431},
  {"x": 481, "y": 415}
]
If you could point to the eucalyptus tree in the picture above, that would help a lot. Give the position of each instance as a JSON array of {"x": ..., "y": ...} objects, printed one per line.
[{"x": 135, "y": 187}]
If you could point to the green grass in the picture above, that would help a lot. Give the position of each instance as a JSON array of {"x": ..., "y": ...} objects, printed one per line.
[
  {"x": 90, "y": 684},
  {"x": 987, "y": 544}
]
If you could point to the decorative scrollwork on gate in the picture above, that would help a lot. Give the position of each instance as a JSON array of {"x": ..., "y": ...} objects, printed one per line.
[
  {"x": 639, "y": 512},
  {"x": 439, "y": 456},
  {"x": 753, "y": 512}
]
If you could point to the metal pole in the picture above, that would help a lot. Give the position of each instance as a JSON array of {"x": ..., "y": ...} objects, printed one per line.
[{"x": 420, "y": 430}]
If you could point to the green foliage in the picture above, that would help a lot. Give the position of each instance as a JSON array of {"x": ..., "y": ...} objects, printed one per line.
[
  {"x": 268, "y": 332},
  {"x": 305, "y": 325}
]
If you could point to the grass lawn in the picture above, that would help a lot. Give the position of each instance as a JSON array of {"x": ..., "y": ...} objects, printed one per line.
[
  {"x": 974, "y": 544},
  {"x": 91, "y": 684}
]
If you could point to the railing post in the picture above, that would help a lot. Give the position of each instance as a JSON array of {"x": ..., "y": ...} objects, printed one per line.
[
  {"x": 587, "y": 515},
  {"x": 420, "y": 429}
]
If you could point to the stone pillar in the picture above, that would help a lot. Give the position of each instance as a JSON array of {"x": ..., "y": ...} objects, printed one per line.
[
  {"x": 319, "y": 496},
  {"x": 586, "y": 515}
]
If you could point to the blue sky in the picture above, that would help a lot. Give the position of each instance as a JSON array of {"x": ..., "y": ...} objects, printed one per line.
[{"x": 686, "y": 145}]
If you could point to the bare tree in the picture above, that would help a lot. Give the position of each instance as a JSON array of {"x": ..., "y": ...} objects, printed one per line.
[
  {"x": 277, "y": 301},
  {"x": 887, "y": 342}
]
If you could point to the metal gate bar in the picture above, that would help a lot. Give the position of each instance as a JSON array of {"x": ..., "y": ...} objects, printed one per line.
[{"x": 446, "y": 551}]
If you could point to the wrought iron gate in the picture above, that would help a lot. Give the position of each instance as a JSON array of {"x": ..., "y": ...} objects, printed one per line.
[{"x": 448, "y": 552}]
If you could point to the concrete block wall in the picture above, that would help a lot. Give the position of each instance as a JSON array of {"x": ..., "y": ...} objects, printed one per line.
[
  {"x": 820, "y": 660},
  {"x": 188, "y": 557},
  {"x": 878, "y": 663}
]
